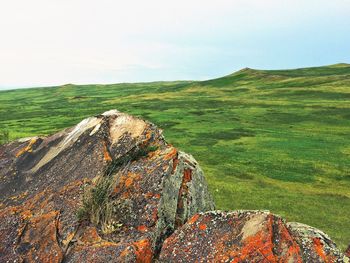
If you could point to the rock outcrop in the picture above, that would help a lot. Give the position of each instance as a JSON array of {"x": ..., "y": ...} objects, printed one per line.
[
  {"x": 111, "y": 189},
  {"x": 247, "y": 236}
]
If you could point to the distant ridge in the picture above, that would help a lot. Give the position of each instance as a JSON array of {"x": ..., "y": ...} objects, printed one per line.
[
  {"x": 247, "y": 69},
  {"x": 338, "y": 69},
  {"x": 340, "y": 65},
  {"x": 291, "y": 72}
]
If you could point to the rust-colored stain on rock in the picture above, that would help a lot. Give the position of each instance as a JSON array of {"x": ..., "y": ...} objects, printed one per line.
[
  {"x": 202, "y": 227},
  {"x": 144, "y": 253},
  {"x": 106, "y": 155},
  {"x": 142, "y": 228},
  {"x": 27, "y": 148}
]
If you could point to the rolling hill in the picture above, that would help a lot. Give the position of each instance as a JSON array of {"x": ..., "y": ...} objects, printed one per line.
[{"x": 266, "y": 139}]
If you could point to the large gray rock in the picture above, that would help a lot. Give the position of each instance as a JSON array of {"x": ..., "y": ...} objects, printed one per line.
[
  {"x": 247, "y": 236},
  {"x": 109, "y": 189}
]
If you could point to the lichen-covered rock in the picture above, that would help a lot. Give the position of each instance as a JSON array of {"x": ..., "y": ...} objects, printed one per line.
[
  {"x": 140, "y": 186},
  {"x": 247, "y": 236},
  {"x": 316, "y": 245}
]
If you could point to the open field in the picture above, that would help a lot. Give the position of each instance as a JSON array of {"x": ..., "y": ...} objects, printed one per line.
[{"x": 276, "y": 140}]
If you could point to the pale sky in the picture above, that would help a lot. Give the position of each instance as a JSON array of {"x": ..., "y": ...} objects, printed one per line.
[{"x": 53, "y": 42}]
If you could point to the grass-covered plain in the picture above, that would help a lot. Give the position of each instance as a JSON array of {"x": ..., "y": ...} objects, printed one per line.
[{"x": 276, "y": 140}]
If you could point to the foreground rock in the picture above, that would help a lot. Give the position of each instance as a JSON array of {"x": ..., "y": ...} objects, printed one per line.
[
  {"x": 247, "y": 236},
  {"x": 109, "y": 189}
]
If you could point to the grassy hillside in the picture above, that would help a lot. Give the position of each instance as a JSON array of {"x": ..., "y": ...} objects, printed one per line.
[{"x": 276, "y": 140}]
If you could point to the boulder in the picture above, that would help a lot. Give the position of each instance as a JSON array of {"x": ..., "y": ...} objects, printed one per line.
[
  {"x": 109, "y": 189},
  {"x": 247, "y": 236},
  {"x": 316, "y": 246}
]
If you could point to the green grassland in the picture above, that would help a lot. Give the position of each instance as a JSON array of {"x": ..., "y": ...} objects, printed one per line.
[{"x": 277, "y": 140}]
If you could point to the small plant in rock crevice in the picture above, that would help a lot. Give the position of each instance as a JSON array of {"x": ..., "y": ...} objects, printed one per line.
[{"x": 97, "y": 206}]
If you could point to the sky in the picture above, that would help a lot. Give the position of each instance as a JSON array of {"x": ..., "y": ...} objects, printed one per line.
[{"x": 55, "y": 42}]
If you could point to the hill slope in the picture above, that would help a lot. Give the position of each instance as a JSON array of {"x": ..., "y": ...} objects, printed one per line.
[{"x": 276, "y": 140}]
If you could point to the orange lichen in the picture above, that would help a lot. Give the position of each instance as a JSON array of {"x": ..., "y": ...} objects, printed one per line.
[
  {"x": 202, "y": 227},
  {"x": 260, "y": 243},
  {"x": 150, "y": 195},
  {"x": 128, "y": 182},
  {"x": 319, "y": 249},
  {"x": 26, "y": 214},
  {"x": 171, "y": 154},
  {"x": 148, "y": 136},
  {"x": 42, "y": 231},
  {"x": 142, "y": 228},
  {"x": 116, "y": 190},
  {"x": 125, "y": 182},
  {"x": 106, "y": 155},
  {"x": 143, "y": 251},
  {"x": 153, "y": 154},
  {"x": 125, "y": 195},
  {"x": 131, "y": 177},
  {"x": 28, "y": 148},
  {"x": 193, "y": 219}
]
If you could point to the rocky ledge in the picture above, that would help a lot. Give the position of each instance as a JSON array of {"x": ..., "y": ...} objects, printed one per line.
[
  {"x": 111, "y": 189},
  {"x": 247, "y": 236}
]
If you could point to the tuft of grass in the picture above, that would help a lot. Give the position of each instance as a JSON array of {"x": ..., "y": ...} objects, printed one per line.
[
  {"x": 97, "y": 206},
  {"x": 4, "y": 136}
]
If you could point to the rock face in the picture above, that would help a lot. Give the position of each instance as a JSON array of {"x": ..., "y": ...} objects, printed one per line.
[
  {"x": 109, "y": 189},
  {"x": 247, "y": 236}
]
